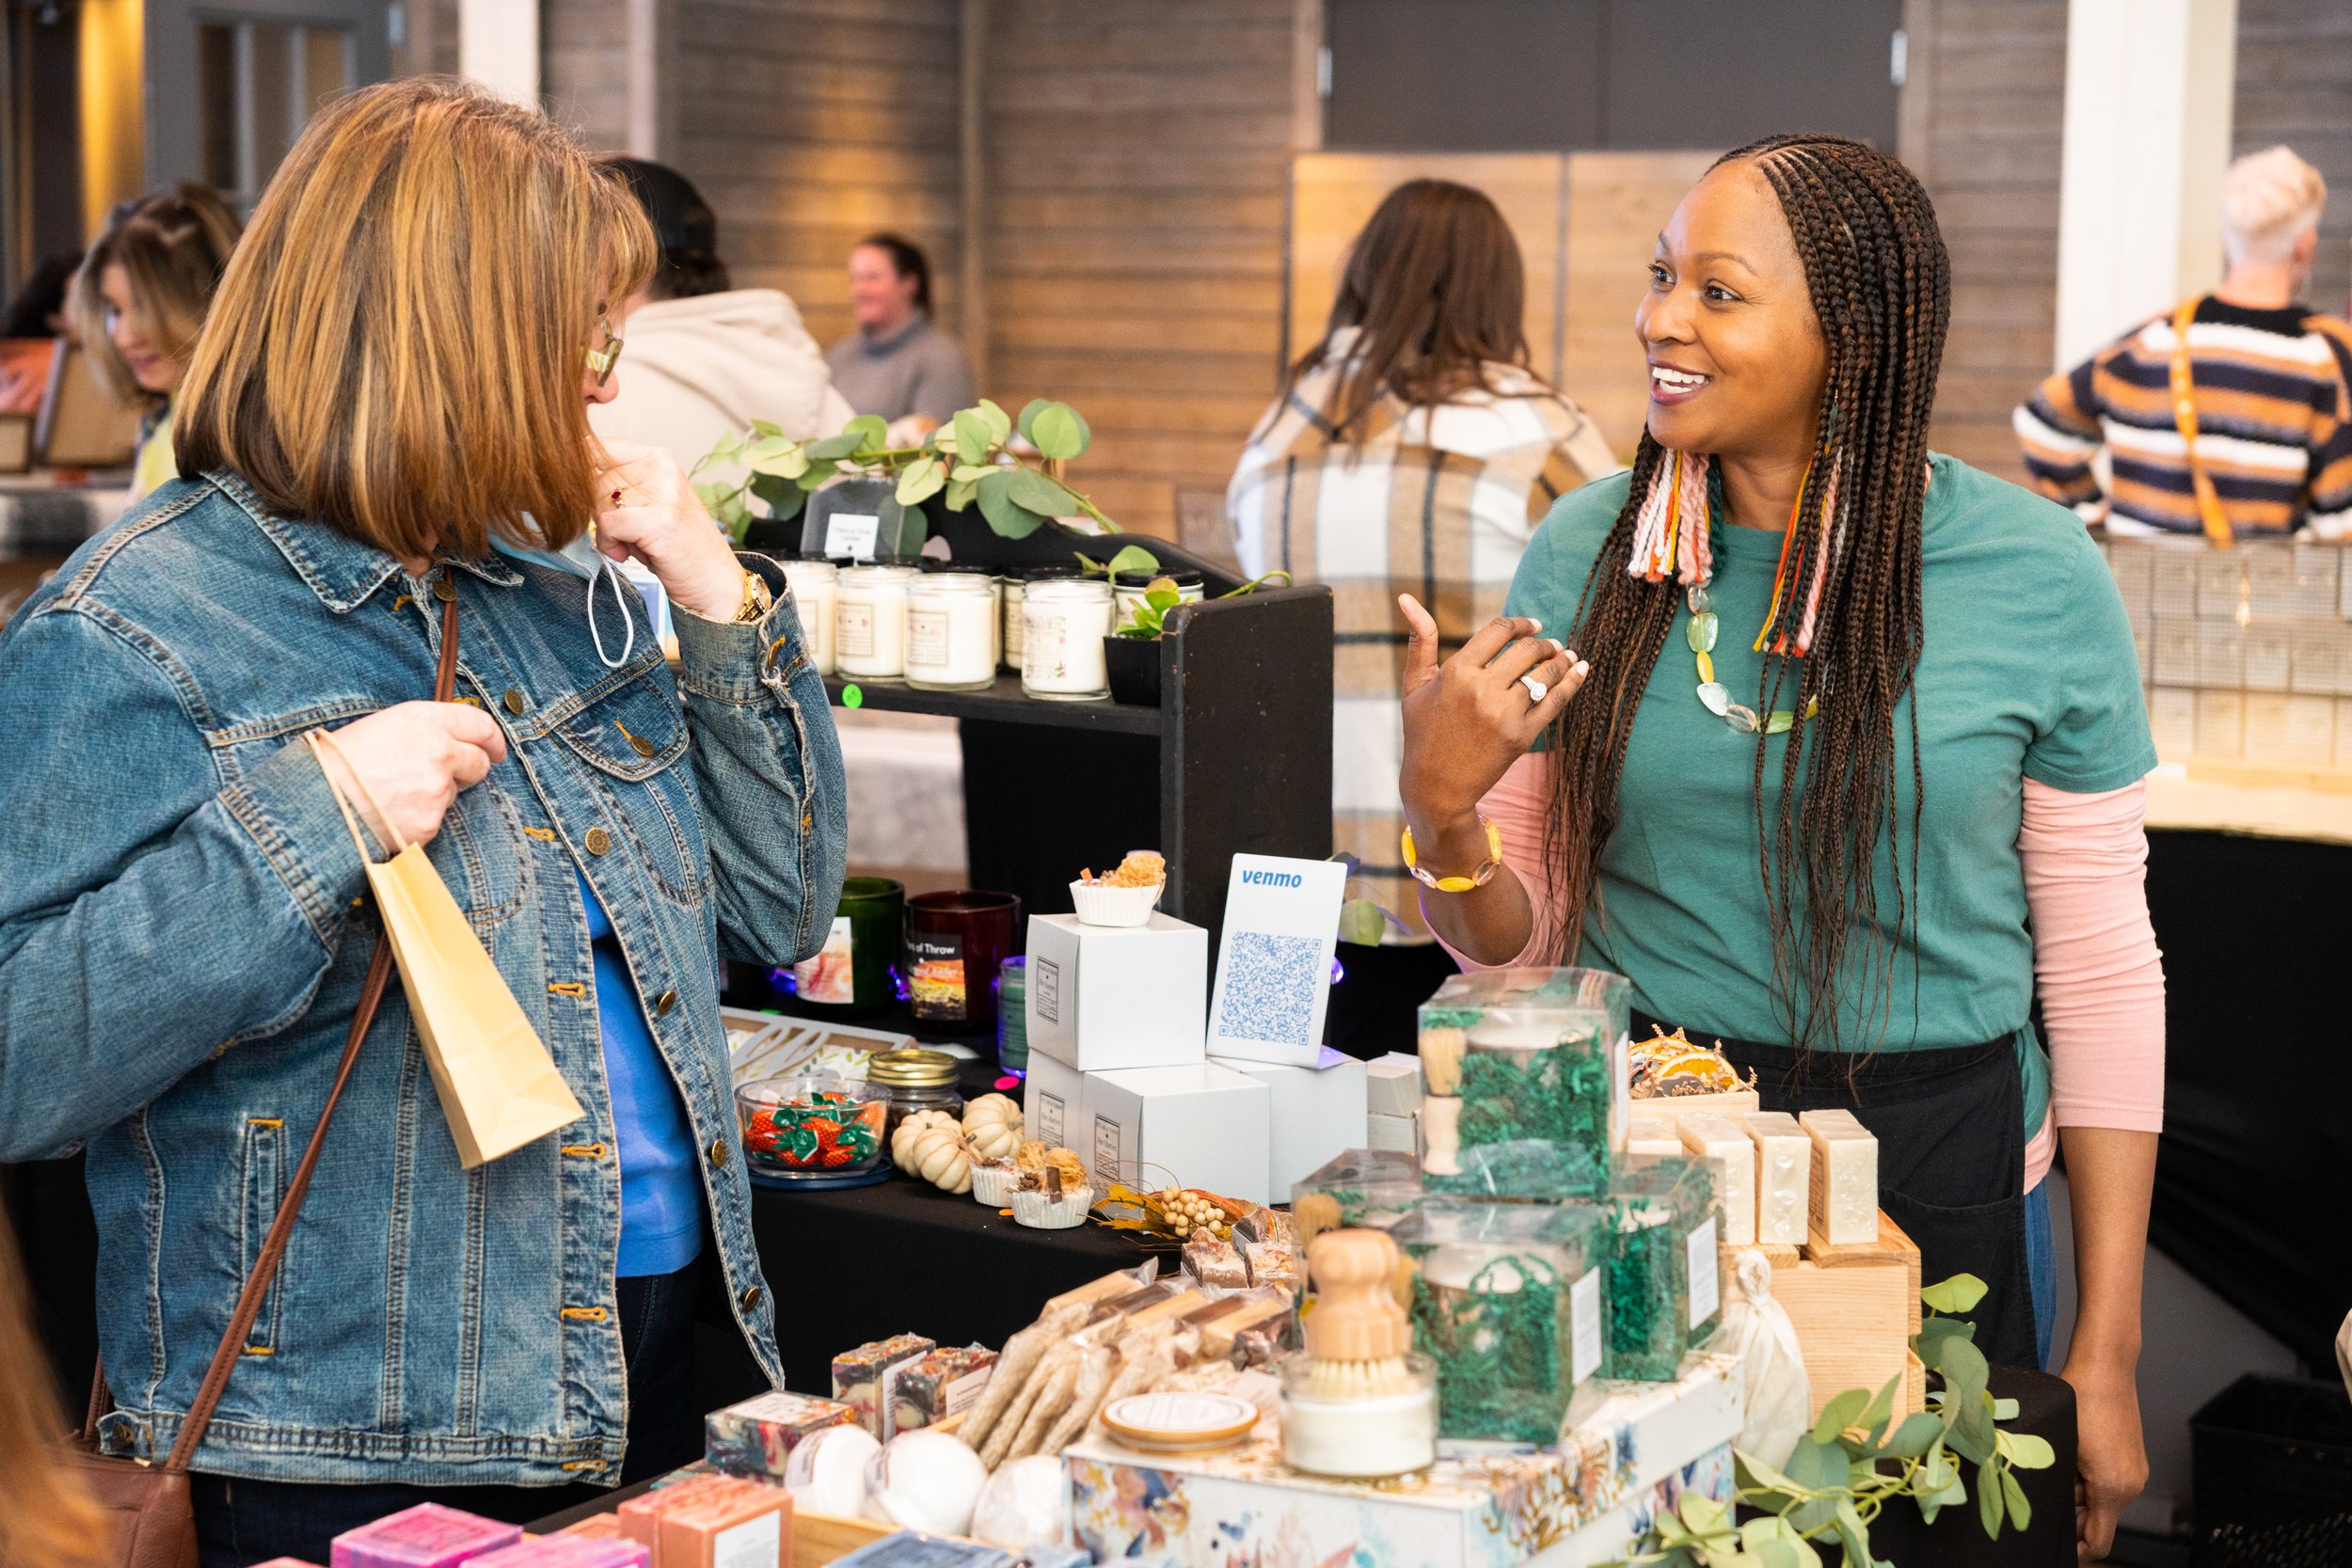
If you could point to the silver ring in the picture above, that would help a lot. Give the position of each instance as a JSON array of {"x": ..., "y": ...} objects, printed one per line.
[{"x": 1535, "y": 690}]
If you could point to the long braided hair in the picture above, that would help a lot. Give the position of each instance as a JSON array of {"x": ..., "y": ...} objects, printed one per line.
[{"x": 1849, "y": 605}]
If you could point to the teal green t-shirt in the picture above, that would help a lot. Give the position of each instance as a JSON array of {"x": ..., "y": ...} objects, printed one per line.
[{"x": 2027, "y": 672}]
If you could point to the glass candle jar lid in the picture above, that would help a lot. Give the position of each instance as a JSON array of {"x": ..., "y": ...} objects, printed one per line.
[
  {"x": 1183, "y": 577},
  {"x": 911, "y": 1067},
  {"x": 1180, "y": 1422}
]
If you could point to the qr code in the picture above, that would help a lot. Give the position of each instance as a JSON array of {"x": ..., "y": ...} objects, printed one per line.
[{"x": 1269, "y": 988}]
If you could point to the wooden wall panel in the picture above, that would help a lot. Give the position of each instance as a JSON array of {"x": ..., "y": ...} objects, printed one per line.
[
  {"x": 2295, "y": 86},
  {"x": 1137, "y": 157},
  {"x": 809, "y": 123},
  {"x": 1617, "y": 202}
]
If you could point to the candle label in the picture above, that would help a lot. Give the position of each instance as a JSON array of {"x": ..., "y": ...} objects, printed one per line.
[
  {"x": 926, "y": 637},
  {"x": 1107, "y": 1161},
  {"x": 1584, "y": 1339},
  {"x": 851, "y": 535},
  {"x": 937, "y": 986},
  {"x": 828, "y": 977},
  {"x": 1045, "y": 988},
  {"x": 1705, "y": 1291},
  {"x": 853, "y": 629},
  {"x": 1052, "y": 1115}
]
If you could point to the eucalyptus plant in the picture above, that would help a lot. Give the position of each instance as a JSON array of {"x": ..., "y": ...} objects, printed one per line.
[
  {"x": 1857, "y": 1459},
  {"x": 969, "y": 459}
]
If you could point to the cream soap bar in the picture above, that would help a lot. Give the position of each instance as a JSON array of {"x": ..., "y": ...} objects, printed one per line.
[
  {"x": 1845, "y": 1178},
  {"x": 1724, "y": 1144},
  {"x": 1784, "y": 1176}
]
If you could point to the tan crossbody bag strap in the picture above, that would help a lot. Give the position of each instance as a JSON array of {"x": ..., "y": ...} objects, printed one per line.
[
  {"x": 257, "y": 1284},
  {"x": 2185, "y": 420}
]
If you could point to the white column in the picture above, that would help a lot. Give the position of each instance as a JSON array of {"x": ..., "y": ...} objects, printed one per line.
[
  {"x": 498, "y": 45},
  {"x": 2149, "y": 92}
]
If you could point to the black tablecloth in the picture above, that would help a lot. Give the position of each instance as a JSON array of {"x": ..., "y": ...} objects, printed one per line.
[{"x": 2045, "y": 1409}]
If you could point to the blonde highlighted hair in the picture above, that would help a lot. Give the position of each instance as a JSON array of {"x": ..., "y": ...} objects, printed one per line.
[
  {"x": 398, "y": 347},
  {"x": 171, "y": 246},
  {"x": 2269, "y": 201}
]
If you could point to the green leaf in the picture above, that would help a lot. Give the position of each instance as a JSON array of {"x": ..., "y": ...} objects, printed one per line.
[
  {"x": 972, "y": 472},
  {"x": 1058, "y": 432},
  {"x": 1042, "y": 494},
  {"x": 1133, "y": 558},
  {"x": 726, "y": 449},
  {"x": 960, "y": 493},
  {"x": 1928, "y": 1343},
  {"x": 2005, "y": 1410},
  {"x": 1029, "y": 412},
  {"x": 1163, "y": 599},
  {"x": 1911, "y": 1439},
  {"x": 2020, "y": 1510},
  {"x": 2027, "y": 1451},
  {"x": 781, "y": 458},
  {"x": 1956, "y": 1294},
  {"x": 1988, "y": 1509},
  {"x": 999, "y": 422},
  {"x": 1753, "y": 1474},
  {"x": 872, "y": 433},
  {"x": 818, "y": 475},
  {"x": 712, "y": 495},
  {"x": 1774, "y": 1554},
  {"x": 1008, "y": 517},
  {"x": 972, "y": 436},
  {"x": 1963, "y": 1369},
  {"x": 834, "y": 447},
  {"x": 1852, "y": 1533},
  {"x": 1881, "y": 1409},
  {"x": 765, "y": 427},
  {"x": 1839, "y": 1414},
  {"x": 922, "y": 480},
  {"x": 1361, "y": 922},
  {"x": 1704, "y": 1514}
]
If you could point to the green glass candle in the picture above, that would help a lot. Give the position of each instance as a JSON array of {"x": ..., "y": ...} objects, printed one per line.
[{"x": 854, "y": 972}]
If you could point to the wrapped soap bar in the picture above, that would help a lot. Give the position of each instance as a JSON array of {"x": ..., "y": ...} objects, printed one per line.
[
  {"x": 1844, "y": 1186},
  {"x": 933, "y": 1387},
  {"x": 911, "y": 1549},
  {"x": 1726, "y": 1143},
  {"x": 1645, "y": 1141},
  {"x": 862, "y": 1377},
  {"x": 642, "y": 1515},
  {"x": 739, "y": 1524},
  {"x": 597, "y": 1526},
  {"x": 756, "y": 1438},
  {"x": 1272, "y": 1264},
  {"x": 1259, "y": 1322},
  {"x": 425, "y": 1536},
  {"x": 1784, "y": 1176},
  {"x": 1212, "y": 1260},
  {"x": 286, "y": 1563},
  {"x": 566, "y": 1550}
]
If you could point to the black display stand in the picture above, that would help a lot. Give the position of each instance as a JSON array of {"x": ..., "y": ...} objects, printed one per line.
[{"x": 1236, "y": 758}]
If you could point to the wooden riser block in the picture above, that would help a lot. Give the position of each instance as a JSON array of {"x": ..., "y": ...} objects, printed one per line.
[
  {"x": 1893, "y": 1245},
  {"x": 1854, "y": 1326}
]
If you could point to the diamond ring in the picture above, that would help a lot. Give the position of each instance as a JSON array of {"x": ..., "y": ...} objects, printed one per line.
[{"x": 1535, "y": 688}]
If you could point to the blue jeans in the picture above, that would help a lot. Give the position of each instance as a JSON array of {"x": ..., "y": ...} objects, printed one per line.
[
  {"x": 2040, "y": 1268},
  {"x": 239, "y": 1522}
]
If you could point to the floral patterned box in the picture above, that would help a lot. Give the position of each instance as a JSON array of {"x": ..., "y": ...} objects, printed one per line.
[{"x": 1241, "y": 1508}]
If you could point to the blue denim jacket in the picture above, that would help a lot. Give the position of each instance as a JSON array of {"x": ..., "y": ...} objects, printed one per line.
[{"x": 183, "y": 934}]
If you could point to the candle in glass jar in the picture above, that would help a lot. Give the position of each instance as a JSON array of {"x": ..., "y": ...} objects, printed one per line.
[
  {"x": 812, "y": 583},
  {"x": 1018, "y": 582},
  {"x": 1133, "y": 585},
  {"x": 948, "y": 618},
  {"x": 870, "y": 622},
  {"x": 1063, "y": 624}
]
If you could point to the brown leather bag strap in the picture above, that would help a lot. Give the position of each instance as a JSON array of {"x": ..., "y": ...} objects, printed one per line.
[{"x": 200, "y": 1415}]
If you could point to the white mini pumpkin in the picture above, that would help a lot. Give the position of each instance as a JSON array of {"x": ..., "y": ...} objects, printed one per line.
[
  {"x": 902, "y": 1138},
  {"x": 940, "y": 1157},
  {"x": 993, "y": 1126}
]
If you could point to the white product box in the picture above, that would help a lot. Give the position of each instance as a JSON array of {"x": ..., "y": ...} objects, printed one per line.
[
  {"x": 1393, "y": 1084},
  {"x": 2173, "y": 717},
  {"x": 1052, "y": 1103},
  {"x": 2172, "y": 580},
  {"x": 2221, "y": 725},
  {"x": 1105, "y": 997},
  {"x": 2266, "y": 657},
  {"x": 2310, "y": 730},
  {"x": 1392, "y": 1134},
  {"x": 2174, "y": 660},
  {"x": 1202, "y": 1125},
  {"x": 1316, "y": 1113}
]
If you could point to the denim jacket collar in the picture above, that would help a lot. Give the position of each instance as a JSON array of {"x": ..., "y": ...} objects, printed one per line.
[{"x": 340, "y": 570}]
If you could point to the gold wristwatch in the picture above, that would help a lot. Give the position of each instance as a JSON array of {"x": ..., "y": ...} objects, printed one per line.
[{"x": 757, "y": 601}]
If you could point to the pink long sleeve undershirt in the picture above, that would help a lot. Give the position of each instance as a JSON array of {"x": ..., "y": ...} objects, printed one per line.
[{"x": 2094, "y": 953}]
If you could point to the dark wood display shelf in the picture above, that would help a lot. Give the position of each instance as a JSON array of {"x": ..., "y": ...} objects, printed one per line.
[{"x": 1004, "y": 702}]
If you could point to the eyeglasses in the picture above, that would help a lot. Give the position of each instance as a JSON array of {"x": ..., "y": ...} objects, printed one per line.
[{"x": 602, "y": 359}]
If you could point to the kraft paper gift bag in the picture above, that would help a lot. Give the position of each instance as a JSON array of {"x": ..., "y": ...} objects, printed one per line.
[{"x": 498, "y": 1087}]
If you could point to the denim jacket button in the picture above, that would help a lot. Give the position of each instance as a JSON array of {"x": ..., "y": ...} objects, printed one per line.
[
  {"x": 750, "y": 1298},
  {"x": 514, "y": 700},
  {"x": 663, "y": 1003},
  {"x": 597, "y": 840},
  {"x": 718, "y": 1152},
  {"x": 443, "y": 589}
]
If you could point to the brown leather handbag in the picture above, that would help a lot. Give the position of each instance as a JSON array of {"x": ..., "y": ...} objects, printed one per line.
[{"x": 146, "y": 1505}]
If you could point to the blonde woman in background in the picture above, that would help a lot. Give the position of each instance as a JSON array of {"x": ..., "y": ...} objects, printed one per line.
[
  {"x": 1412, "y": 451},
  {"x": 139, "y": 300},
  {"x": 46, "y": 1521}
]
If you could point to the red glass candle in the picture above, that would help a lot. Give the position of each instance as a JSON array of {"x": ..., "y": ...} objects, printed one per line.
[{"x": 954, "y": 943}]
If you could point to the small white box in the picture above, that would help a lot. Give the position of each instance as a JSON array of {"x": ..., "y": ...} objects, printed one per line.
[
  {"x": 2173, "y": 717},
  {"x": 2173, "y": 658},
  {"x": 2316, "y": 574},
  {"x": 1202, "y": 1125},
  {"x": 2267, "y": 656},
  {"x": 2311, "y": 658},
  {"x": 2269, "y": 581},
  {"x": 2343, "y": 721},
  {"x": 2172, "y": 580},
  {"x": 1108, "y": 997},
  {"x": 2266, "y": 727},
  {"x": 2221, "y": 589},
  {"x": 2221, "y": 725},
  {"x": 2220, "y": 655},
  {"x": 1316, "y": 1113},
  {"x": 2312, "y": 731},
  {"x": 1393, "y": 1084},
  {"x": 1392, "y": 1134},
  {"x": 1052, "y": 1103}
]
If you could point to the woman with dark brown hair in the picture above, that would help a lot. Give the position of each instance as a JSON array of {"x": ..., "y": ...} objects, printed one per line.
[
  {"x": 1855, "y": 765},
  {"x": 1412, "y": 450}
]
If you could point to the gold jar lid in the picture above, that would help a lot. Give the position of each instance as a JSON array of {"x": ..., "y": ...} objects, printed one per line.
[{"x": 910, "y": 1067}]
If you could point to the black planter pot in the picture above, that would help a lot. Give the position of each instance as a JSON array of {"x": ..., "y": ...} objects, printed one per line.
[{"x": 1134, "y": 664}]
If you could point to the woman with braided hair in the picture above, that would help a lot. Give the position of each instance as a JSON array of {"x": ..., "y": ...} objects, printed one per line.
[{"x": 1853, "y": 764}]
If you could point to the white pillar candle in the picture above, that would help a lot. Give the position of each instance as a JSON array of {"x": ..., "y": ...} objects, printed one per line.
[
  {"x": 870, "y": 622},
  {"x": 949, "y": 616}
]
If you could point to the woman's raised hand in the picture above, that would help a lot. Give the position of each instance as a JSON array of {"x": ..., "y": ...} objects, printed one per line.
[
  {"x": 408, "y": 761},
  {"x": 647, "y": 510},
  {"x": 1469, "y": 717}
]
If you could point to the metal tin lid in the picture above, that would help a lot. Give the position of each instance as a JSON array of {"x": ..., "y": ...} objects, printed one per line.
[
  {"x": 1037, "y": 572},
  {"x": 911, "y": 1067},
  {"x": 1180, "y": 1422},
  {"x": 1183, "y": 577}
]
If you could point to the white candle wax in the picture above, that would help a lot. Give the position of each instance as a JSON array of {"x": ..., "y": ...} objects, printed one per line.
[
  {"x": 1064, "y": 621},
  {"x": 949, "y": 642},
  {"x": 869, "y": 622},
  {"x": 813, "y": 584}
]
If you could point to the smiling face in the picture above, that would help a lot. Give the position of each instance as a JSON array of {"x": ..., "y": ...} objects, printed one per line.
[
  {"x": 880, "y": 297},
  {"x": 1736, "y": 353},
  {"x": 154, "y": 369}
]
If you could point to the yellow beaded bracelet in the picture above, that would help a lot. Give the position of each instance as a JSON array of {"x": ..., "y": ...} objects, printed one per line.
[{"x": 1477, "y": 879}]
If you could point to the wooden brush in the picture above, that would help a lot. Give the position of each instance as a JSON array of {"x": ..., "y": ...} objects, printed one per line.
[{"x": 1356, "y": 1335}]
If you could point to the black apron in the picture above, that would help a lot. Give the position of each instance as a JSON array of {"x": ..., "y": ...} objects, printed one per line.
[{"x": 1950, "y": 1126}]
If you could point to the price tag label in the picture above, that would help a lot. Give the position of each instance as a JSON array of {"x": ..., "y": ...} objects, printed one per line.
[{"x": 851, "y": 535}]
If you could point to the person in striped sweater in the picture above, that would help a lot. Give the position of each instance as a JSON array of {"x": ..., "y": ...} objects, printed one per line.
[{"x": 2270, "y": 394}]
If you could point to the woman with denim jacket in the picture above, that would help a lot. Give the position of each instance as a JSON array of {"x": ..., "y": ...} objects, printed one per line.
[{"x": 387, "y": 413}]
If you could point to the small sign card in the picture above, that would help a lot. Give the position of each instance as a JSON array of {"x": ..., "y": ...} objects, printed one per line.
[
  {"x": 1273, "y": 961},
  {"x": 851, "y": 535}
]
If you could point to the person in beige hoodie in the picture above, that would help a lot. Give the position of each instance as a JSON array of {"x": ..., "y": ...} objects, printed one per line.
[{"x": 703, "y": 358}]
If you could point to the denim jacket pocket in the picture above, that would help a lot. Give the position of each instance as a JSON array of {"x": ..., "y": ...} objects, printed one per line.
[
  {"x": 631, "y": 739},
  {"x": 265, "y": 1174}
]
